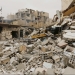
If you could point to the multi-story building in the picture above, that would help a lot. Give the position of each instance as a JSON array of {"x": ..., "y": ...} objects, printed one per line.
[{"x": 29, "y": 17}]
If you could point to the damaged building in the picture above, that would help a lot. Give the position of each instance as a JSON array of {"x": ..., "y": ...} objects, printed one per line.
[
  {"x": 30, "y": 44},
  {"x": 29, "y": 17},
  {"x": 9, "y": 31}
]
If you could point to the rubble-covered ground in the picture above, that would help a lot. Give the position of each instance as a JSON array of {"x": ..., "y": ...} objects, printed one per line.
[{"x": 51, "y": 55}]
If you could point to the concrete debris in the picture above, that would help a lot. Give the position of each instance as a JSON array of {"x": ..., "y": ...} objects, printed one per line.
[
  {"x": 32, "y": 69},
  {"x": 19, "y": 56},
  {"x": 45, "y": 42},
  {"x": 50, "y": 72},
  {"x": 69, "y": 70},
  {"x": 39, "y": 48},
  {"x": 62, "y": 44},
  {"x": 20, "y": 66},
  {"x": 39, "y": 70},
  {"x": 13, "y": 61},
  {"x": 56, "y": 58},
  {"x": 69, "y": 35},
  {"x": 46, "y": 55},
  {"x": 59, "y": 71},
  {"x": 72, "y": 61},
  {"x": 47, "y": 65},
  {"x": 22, "y": 48},
  {"x": 5, "y": 60},
  {"x": 44, "y": 48}
]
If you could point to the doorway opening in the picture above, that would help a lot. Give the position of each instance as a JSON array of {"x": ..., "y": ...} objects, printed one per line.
[
  {"x": 1, "y": 28},
  {"x": 14, "y": 34},
  {"x": 21, "y": 33}
]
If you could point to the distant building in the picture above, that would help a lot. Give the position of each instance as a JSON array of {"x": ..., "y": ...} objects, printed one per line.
[
  {"x": 29, "y": 17},
  {"x": 11, "y": 17}
]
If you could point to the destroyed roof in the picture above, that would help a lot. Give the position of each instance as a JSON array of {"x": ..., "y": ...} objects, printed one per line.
[
  {"x": 68, "y": 5},
  {"x": 6, "y": 24}
]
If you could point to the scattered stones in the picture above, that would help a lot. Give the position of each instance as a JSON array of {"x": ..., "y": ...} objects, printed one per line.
[{"x": 48, "y": 55}]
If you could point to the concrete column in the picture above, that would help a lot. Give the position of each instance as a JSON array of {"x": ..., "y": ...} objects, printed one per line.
[
  {"x": 23, "y": 33},
  {"x": 19, "y": 33}
]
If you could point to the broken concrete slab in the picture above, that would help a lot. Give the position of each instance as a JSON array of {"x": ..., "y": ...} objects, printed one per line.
[
  {"x": 72, "y": 61},
  {"x": 5, "y": 60},
  {"x": 72, "y": 27},
  {"x": 21, "y": 66},
  {"x": 44, "y": 48},
  {"x": 45, "y": 42},
  {"x": 56, "y": 58},
  {"x": 32, "y": 69},
  {"x": 69, "y": 71},
  {"x": 69, "y": 36},
  {"x": 57, "y": 71},
  {"x": 8, "y": 67},
  {"x": 19, "y": 56},
  {"x": 50, "y": 72},
  {"x": 40, "y": 70},
  {"x": 47, "y": 65},
  {"x": 62, "y": 44},
  {"x": 69, "y": 49},
  {"x": 13, "y": 61}
]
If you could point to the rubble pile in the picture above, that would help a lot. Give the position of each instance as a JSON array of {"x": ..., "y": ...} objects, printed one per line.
[
  {"x": 44, "y": 51},
  {"x": 46, "y": 55},
  {"x": 36, "y": 56},
  {"x": 22, "y": 58}
]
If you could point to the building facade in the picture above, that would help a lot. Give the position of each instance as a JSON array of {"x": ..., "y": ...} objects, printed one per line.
[{"x": 29, "y": 17}]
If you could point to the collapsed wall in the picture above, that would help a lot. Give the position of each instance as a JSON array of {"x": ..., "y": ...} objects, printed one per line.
[{"x": 6, "y": 34}]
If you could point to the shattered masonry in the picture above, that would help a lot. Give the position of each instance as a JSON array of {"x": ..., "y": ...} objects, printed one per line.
[{"x": 38, "y": 49}]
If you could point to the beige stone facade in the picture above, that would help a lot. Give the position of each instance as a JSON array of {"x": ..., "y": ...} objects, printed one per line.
[{"x": 29, "y": 17}]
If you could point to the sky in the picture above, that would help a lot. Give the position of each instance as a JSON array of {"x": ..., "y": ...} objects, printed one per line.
[{"x": 12, "y": 6}]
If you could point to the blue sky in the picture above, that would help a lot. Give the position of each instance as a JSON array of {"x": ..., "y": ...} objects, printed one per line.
[{"x": 12, "y": 6}]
